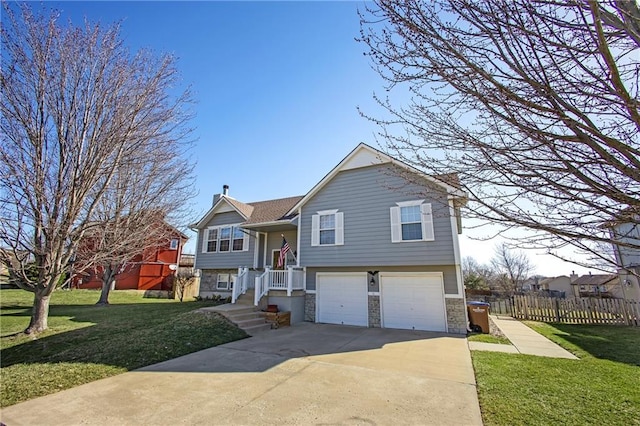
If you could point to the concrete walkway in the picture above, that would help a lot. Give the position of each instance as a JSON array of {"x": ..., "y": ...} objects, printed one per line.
[{"x": 524, "y": 339}]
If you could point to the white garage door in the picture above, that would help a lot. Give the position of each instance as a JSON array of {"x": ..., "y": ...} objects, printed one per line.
[
  {"x": 342, "y": 299},
  {"x": 413, "y": 301}
]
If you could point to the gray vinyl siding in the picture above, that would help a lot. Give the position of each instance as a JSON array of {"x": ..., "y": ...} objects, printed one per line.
[
  {"x": 231, "y": 259},
  {"x": 274, "y": 242},
  {"x": 448, "y": 271},
  {"x": 365, "y": 195}
]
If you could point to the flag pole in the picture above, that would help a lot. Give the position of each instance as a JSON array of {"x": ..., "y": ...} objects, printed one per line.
[{"x": 289, "y": 251}]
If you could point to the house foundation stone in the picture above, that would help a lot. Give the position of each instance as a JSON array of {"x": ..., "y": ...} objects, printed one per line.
[
  {"x": 456, "y": 316},
  {"x": 310, "y": 307},
  {"x": 374, "y": 311},
  {"x": 208, "y": 281}
]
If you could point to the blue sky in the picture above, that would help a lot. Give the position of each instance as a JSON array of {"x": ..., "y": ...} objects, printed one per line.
[{"x": 277, "y": 86}]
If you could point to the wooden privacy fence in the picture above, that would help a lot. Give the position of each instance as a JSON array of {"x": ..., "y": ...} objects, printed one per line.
[{"x": 583, "y": 310}]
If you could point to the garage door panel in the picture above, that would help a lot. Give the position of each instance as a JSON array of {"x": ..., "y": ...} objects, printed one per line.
[
  {"x": 342, "y": 299},
  {"x": 413, "y": 302}
]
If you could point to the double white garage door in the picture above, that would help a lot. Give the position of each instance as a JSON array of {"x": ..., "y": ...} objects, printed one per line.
[{"x": 413, "y": 301}]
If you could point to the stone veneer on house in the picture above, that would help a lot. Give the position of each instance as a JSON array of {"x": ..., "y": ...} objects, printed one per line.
[
  {"x": 310, "y": 307},
  {"x": 208, "y": 281},
  {"x": 456, "y": 316},
  {"x": 374, "y": 311}
]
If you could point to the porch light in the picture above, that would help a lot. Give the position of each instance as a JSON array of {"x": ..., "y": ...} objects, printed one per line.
[{"x": 372, "y": 281}]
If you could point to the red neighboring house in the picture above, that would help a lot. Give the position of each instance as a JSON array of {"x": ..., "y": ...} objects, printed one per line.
[{"x": 152, "y": 270}]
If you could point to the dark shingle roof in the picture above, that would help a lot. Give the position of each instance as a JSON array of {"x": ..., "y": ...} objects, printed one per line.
[
  {"x": 271, "y": 210},
  {"x": 599, "y": 279},
  {"x": 244, "y": 209}
]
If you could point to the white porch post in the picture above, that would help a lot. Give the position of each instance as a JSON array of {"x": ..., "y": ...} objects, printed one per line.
[
  {"x": 257, "y": 289},
  {"x": 234, "y": 290},
  {"x": 289, "y": 280}
]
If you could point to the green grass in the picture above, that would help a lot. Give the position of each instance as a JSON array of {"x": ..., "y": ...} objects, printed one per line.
[
  {"x": 488, "y": 338},
  {"x": 603, "y": 387},
  {"x": 86, "y": 342}
]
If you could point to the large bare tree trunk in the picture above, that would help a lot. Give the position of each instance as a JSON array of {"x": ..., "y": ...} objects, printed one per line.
[
  {"x": 39, "y": 312},
  {"x": 107, "y": 279}
]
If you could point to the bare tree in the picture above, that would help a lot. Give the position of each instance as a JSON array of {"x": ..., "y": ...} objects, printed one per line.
[
  {"x": 512, "y": 268},
  {"x": 79, "y": 113},
  {"x": 183, "y": 279},
  {"x": 129, "y": 224},
  {"x": 533, "y": 103},
  {"x": 476, "y": 276}
]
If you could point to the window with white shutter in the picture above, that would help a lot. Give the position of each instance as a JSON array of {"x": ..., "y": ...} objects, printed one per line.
[
  {"x": 327, "y": 228},
  {"x": 411, "y": 221}
]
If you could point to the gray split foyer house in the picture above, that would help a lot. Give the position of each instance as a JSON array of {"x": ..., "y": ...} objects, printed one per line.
[{"x": 373, "y": 244}]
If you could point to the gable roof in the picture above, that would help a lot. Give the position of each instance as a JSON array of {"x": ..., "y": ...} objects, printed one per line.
[
  {"x": 236, "y": 205},
  {"x": 253, "y": 213},
  {"x": 272, "y": 210},
  {"x": 245, "y": 210},
  {"x": 364, "y": 155},
  {"x": 548, "y": 280},
  {"x": 598, "y": 279}
]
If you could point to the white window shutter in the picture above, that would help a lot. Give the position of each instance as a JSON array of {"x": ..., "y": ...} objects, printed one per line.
[
  {"x": 315, "y": 230},
  {"x": 339, "y": 229},
  {"x": 427, "y": 222},
  {"x": 245, "y": 240},
  {"x": 205, "y": 239},
  {"x": 396, "y": 228}
]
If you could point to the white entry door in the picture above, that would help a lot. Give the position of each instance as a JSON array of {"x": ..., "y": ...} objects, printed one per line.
[
  {"x": 413, "y": 301},
  {"x": 342, "y": 298}
]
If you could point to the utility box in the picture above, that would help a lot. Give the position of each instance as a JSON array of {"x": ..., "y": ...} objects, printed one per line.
[{"x": 478, "y": 316}]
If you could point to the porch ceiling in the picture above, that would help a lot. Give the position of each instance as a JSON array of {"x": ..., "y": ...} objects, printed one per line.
[{"x": 272, "y": 226}]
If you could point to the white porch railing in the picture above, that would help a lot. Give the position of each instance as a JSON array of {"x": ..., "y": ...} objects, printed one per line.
[
  {"x": 241, "y": 284},
  {"x": 262, "y": 286},
  {"x": 289, "y": 280}
]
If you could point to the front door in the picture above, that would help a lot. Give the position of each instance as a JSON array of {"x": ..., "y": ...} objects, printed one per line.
[{"x": 275, "y": 254}]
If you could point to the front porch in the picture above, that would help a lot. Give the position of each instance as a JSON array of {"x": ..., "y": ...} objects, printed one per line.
[{"x": 281, "y": 280}]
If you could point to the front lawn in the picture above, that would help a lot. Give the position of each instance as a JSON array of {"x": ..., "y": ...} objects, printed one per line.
[
  {"x": 488, "y": 338},
  {"x": 86, "y": 342},
  {"x": 603, "y": 387}
]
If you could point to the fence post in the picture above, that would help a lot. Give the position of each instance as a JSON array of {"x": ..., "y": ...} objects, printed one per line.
[{"x": 557, "y": 309}]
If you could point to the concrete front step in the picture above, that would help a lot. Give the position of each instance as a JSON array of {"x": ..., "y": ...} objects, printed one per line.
[
  {"x": 245, "y": 316},
  {"x": 250, "y": 322},
  {"x": 253, "y": 330},
  {"x": 248, "y": 318},
  {"x": 246, "y": 299},
  {"x": 230, "y": 310}
]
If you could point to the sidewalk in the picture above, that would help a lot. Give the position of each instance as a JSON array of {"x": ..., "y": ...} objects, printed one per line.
[{"x": 524, "y": 340}]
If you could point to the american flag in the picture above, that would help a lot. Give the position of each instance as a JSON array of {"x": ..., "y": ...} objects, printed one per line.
[{"x": 283, "y": 253}]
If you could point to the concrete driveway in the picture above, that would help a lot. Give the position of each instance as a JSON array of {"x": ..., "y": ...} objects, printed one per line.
[{"x": 305, "y": 374}]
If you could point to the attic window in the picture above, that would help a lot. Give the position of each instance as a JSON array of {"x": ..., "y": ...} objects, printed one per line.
[{"x": 173, "y": 245}]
